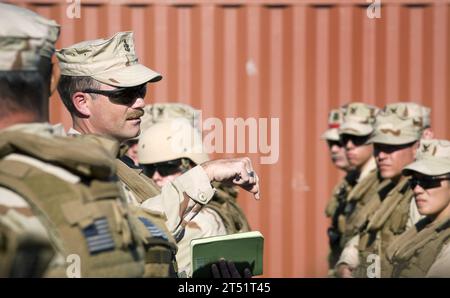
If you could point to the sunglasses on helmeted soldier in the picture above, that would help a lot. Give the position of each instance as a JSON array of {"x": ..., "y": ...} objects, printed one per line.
[
  {"x": 163, "y": 168},
  {"x": 427, "y": 182},
  {"x": 123, "y": 95}
]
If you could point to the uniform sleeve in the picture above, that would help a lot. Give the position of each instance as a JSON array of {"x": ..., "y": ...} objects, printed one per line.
[
  {"x": 350, "y": 254},
  {"x": 206, "y": 224},
  {"x": 441, "y": 266},
  {"x": 182, "y": 199}
]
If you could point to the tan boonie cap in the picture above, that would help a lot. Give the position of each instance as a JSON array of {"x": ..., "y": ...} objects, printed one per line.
[
  {"x": 359, "y": 119},
  {"x": 432, "y": 158},
  {"x": 335, "y": 118},
  {"x": 24, "y": 37},
  {"x": 391, "y": 129},
  {"x": 110, "y": 61},
  {"x": 417, "y": 112}
]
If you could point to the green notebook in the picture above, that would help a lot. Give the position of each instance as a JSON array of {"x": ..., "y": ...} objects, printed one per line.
[{"x": 244, "y": 249}]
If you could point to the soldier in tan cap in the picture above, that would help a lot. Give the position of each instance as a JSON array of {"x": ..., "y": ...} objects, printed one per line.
[
  {"x": 355, "y": 132},
  {"x": 25, "y": 43},
  {"x": 424, "y": 250},
  {"x": 331, "y": 136},
  {"x": 103, "y": 86},
  {"x": 59, "y": 199},
  {"x": 336, "y": 205},
  {"x": 395, "y": 142},
  {"x": 419, "y": 113},
  {"x": 172, "y": 146}
]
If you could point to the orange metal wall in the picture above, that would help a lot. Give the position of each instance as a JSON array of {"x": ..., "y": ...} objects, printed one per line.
[{"x": 293, "y": 60}]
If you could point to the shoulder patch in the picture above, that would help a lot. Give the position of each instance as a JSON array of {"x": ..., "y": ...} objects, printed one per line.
[
  {"x": 98, "y": 236},
  {"x": 153, "y": 229}
]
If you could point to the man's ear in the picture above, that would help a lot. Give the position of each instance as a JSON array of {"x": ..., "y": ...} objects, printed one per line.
[{"x": 80, "y": 101}]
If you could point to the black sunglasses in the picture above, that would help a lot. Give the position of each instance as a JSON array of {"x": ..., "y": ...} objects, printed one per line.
[
  {"x": 125, "y": 95},
  {"x": 164, "y": 168},
  {"x": 356, "y": 140},
  {"x": 427, "y": 182},
  {"x": 334, "y": 143},
  {"x": 377, "y": 147}
]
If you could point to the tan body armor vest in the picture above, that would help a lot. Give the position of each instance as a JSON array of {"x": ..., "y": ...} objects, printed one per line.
[
  {"x": 414, "y": 252},
  {"x": 362, "y": 195},
  {"x": 384, "y": 225},
  {"x": 142, "y": 187},
  {"x": 335, "y": 210},
  {"x": 160, "y": 247},
  {"x": 160, "y": 253},
  {"x": 22, "y": 253},
  {"x": 159, "y": 243},
  {"x": 88, "y": 218},
  {"x": 224, "y": 203},
  {"x": 91, "y": 218}
]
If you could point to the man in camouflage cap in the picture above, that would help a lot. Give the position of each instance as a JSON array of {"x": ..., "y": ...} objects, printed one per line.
[
  {"x": 395, "y": 142},
  {"x": 357, "y": 127},
  {"x": 419, "y": 113},
  {"x": 355, "y": 132},
  {"x": 25, "y": 39},
  {"x": 103, "y": 86},
  {"x": 58, "y": 195},
  {"x": 424, "y": 250},
  {"x": 331, "y": 136},
  {"x": 336, "y": 205}
]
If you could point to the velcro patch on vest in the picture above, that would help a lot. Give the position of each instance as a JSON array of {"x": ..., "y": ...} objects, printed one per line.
[
  {"x": 98, "y": 236},
  {"x": 153, "y": 229}
]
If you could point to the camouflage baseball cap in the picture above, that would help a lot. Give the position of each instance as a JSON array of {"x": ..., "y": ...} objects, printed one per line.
[
  {"x": 420, "y": 114},
  {"x": 335, "y": 118},
  {"x": 110, "y": 61},
  {"x": 359, "y": 119},
  {"x": 432, "y": 158},
  {"x": 393, "y": 129},
  {"x": 24, "y": 37}
]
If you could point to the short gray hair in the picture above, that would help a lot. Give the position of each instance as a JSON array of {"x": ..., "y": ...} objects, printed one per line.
[{"x": 69, "y": 85}]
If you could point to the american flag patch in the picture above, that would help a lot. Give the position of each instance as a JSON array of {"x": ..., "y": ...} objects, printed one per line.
[
  {"x": 153, "y": 229},
  {"x": 98, "y": 236}
]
